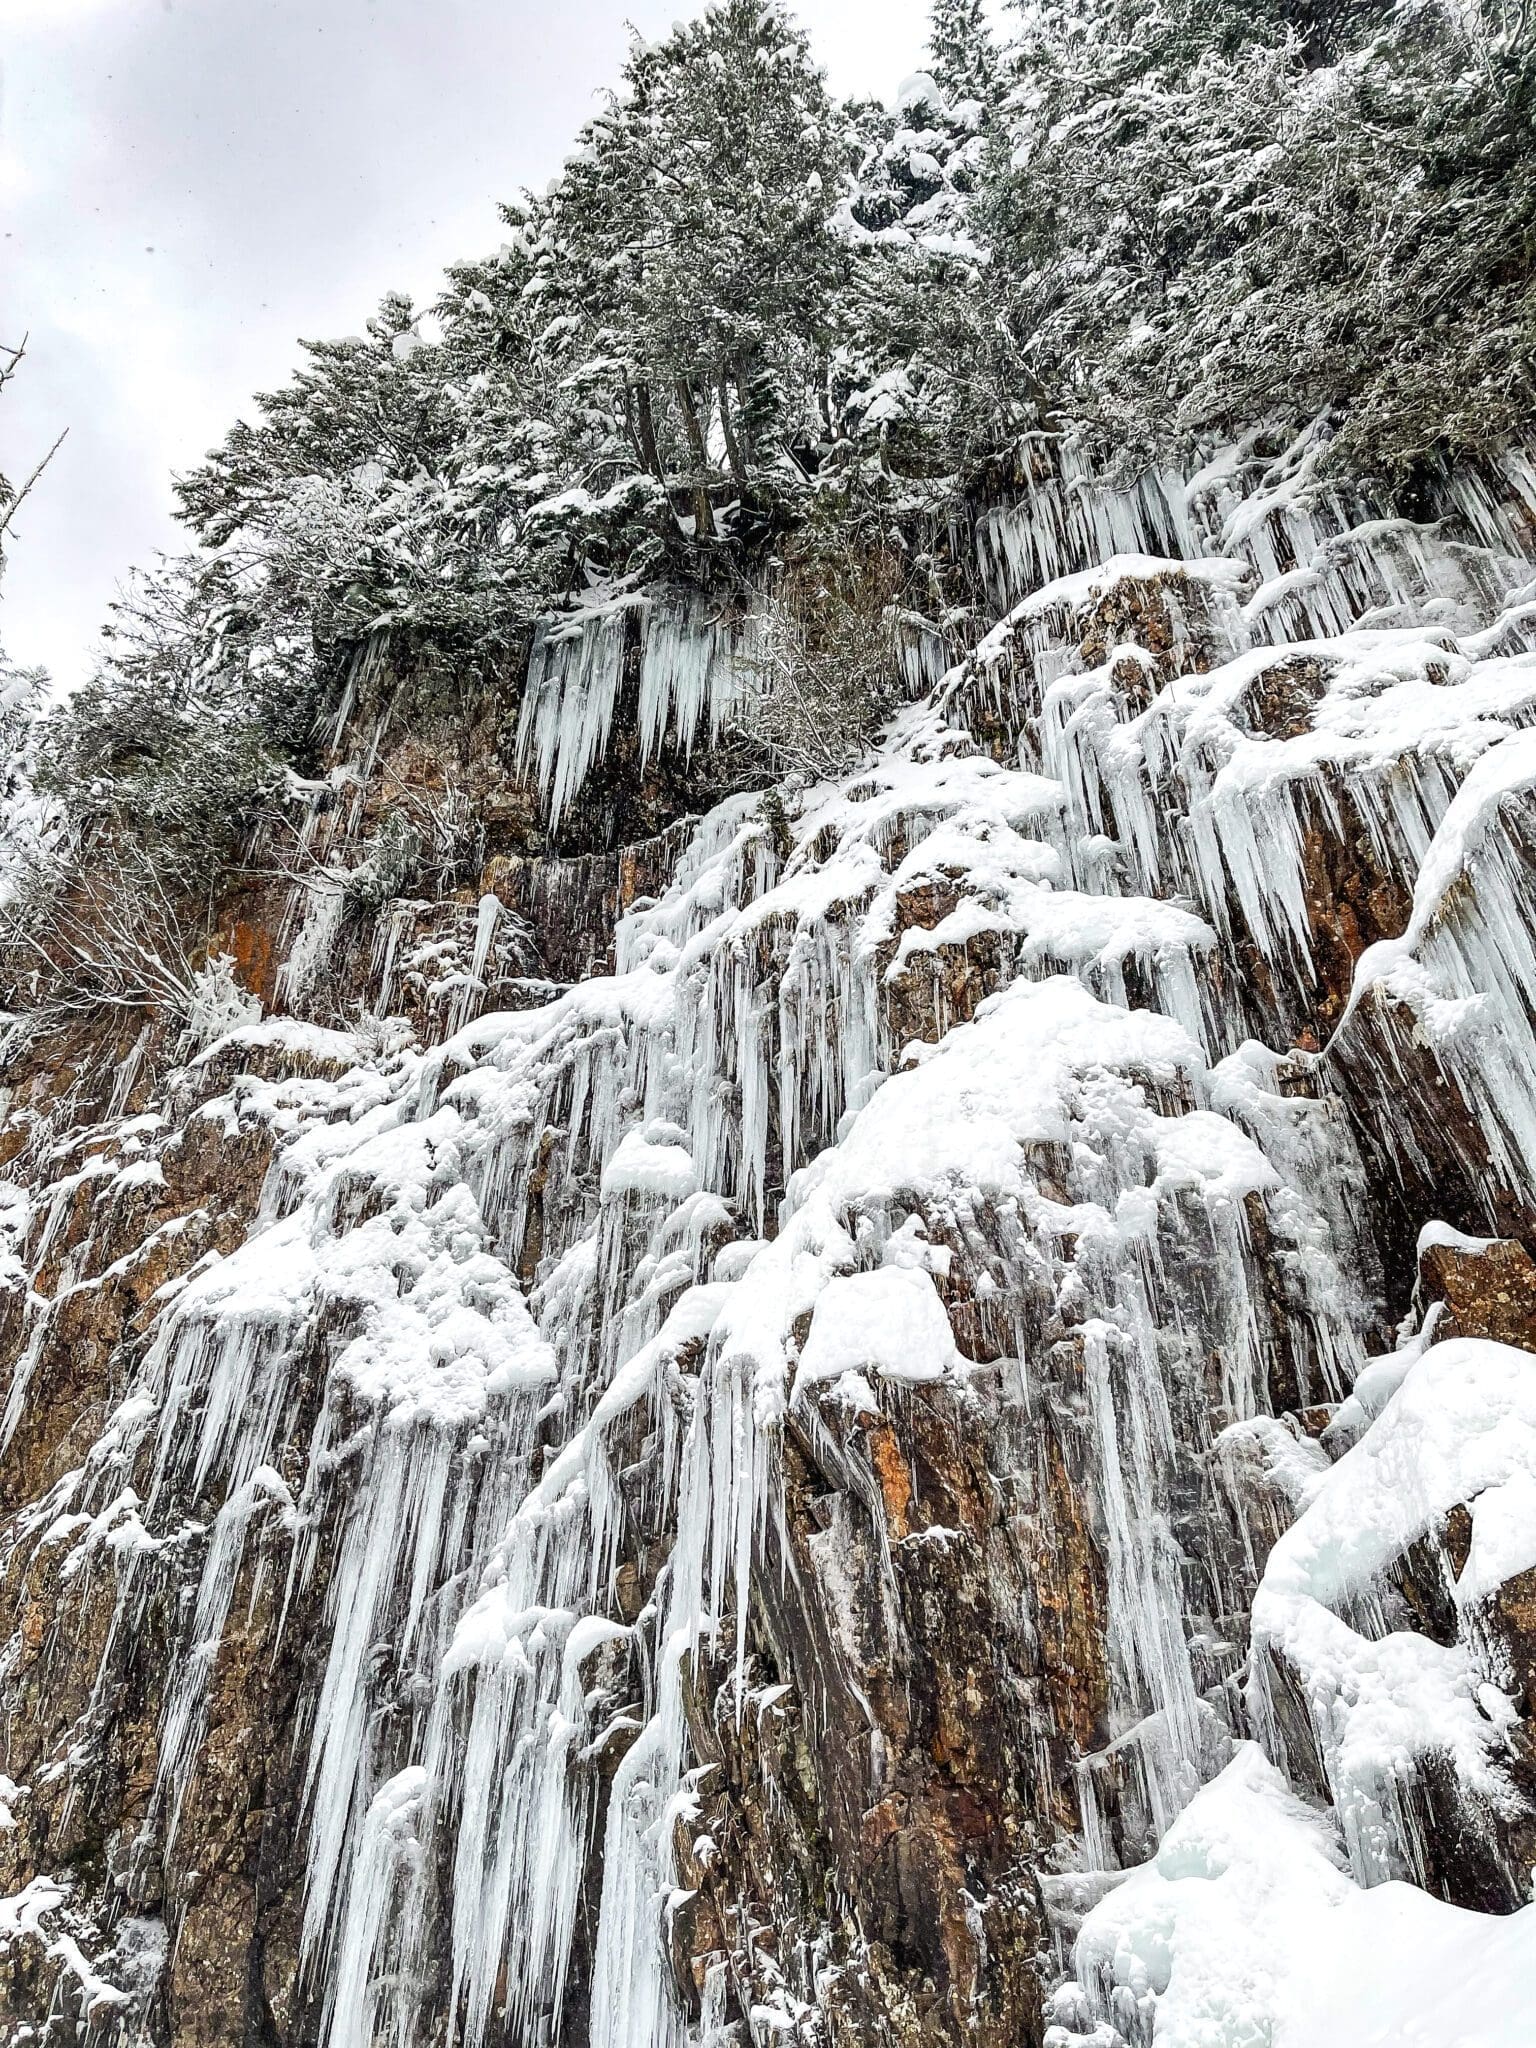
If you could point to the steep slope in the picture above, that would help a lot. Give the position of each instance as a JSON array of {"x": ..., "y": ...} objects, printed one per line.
[{"x": 738, "y": 1497}]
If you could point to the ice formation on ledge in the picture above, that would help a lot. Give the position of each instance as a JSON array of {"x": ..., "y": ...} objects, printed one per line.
[
  {"x": 962, "y": 1074},
  {"x": 1459, "y": 1432},
  {"x": 688, "y": 676}
]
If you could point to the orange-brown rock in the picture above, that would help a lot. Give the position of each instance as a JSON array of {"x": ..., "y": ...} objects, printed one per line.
[{"x": 1489, "y": 1290}]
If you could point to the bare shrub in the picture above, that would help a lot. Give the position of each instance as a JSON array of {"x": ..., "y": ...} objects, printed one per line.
[
  {"x": 112, "y": 937},
  {"x": 822, "y": 666}
]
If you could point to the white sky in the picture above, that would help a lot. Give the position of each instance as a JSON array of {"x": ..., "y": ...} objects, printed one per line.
[{"x": 186, "y": 186}]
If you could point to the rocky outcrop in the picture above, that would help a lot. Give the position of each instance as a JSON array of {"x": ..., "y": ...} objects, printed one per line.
[{"x": 770, "y": 1424}]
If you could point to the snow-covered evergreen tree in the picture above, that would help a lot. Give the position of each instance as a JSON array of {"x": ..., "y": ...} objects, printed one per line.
[
  {"x": 742, "y": 310},
  {"x": 1215, "y": 214},
  {"x": 688, "y": 250},
  {"x": 961, "y": 51}
]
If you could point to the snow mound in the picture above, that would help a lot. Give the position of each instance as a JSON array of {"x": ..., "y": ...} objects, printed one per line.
[{"x": 1245, "y": 1932}]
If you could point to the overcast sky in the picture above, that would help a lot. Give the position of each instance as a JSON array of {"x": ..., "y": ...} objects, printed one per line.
[{"x": 186, "y": 186}]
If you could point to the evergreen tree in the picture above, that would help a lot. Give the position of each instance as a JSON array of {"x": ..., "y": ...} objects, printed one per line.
[
  {"x": 963, "y": 57},
  {"x": 689, "y": 240},
  {"x": 928, "y": 375},
  {"x": 740, "y": 307},
  {"x": 202, "y": 695},
  {"x": 1207, "y": 229}
]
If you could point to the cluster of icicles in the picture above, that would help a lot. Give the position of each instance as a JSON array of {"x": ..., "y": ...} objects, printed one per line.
[{"x": 725, "y": 1134}]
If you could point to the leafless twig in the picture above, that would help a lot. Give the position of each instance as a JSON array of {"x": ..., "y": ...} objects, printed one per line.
[{"x": 14, "y": 502}]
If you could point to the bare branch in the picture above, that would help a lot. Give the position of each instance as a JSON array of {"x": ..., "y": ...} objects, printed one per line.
[
  {"x": 821, "y": 667},
  {"x": 14, "y": 358},
  {"x": 13, "y": 505}
]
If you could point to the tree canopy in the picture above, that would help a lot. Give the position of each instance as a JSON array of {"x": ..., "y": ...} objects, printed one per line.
[{"x": 744, "y": 310}]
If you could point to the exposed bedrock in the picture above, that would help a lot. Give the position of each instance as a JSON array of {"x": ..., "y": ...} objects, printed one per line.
[{"x": 889, "y": 1411}]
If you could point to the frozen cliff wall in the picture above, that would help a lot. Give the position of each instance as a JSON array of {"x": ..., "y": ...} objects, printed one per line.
[
  {"x": 768, "y": 1261},
  {"x": 925, "y": 1436}
]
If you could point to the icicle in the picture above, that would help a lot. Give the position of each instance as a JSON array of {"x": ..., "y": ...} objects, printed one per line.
[
  {"x": 688, "y": 679},
  {"x": 574, "y": 671}
]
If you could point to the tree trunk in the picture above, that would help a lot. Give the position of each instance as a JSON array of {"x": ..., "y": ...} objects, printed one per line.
[
  {"x": 645, "y": 431},
  {"x": 732, "y": 446},
  {"x": 703, "y": 518}
]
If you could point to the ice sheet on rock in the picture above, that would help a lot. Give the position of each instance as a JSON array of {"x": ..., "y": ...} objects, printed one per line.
[
  {"x": 1067, "y": 519},
  {"x": 1377, "y": 1382},
  {"x": 316, "y": 919},
  {"x": 1459, "y": 1430},
  {"x": 1465, "y": 968},
  {"x": 1399, "y": 722},
  {"x": 631, "y": 1121},
  {"x": 689, "y": 654},
  {"x": 566, "y": 1255},
  {"x": 40, "y": 1912},
  {"x": 1073, "y": 592},
  {"x": 570, "y": 696},
  {"x": 963, "y": 1114},
  {"x": 1500, "y": 773},
  {"x": 651, "y": 1162},
  {"x": 1200, "y": 802},
  {"x": 688, "y": 679},
  {"x": 1042, "y": 1064},
  {"x": 1008, "y": 889},
  {"x": 388, "y": 1851}
]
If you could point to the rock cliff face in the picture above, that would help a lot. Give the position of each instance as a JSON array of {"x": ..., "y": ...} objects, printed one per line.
[{"x": 898, "y": 1413}]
